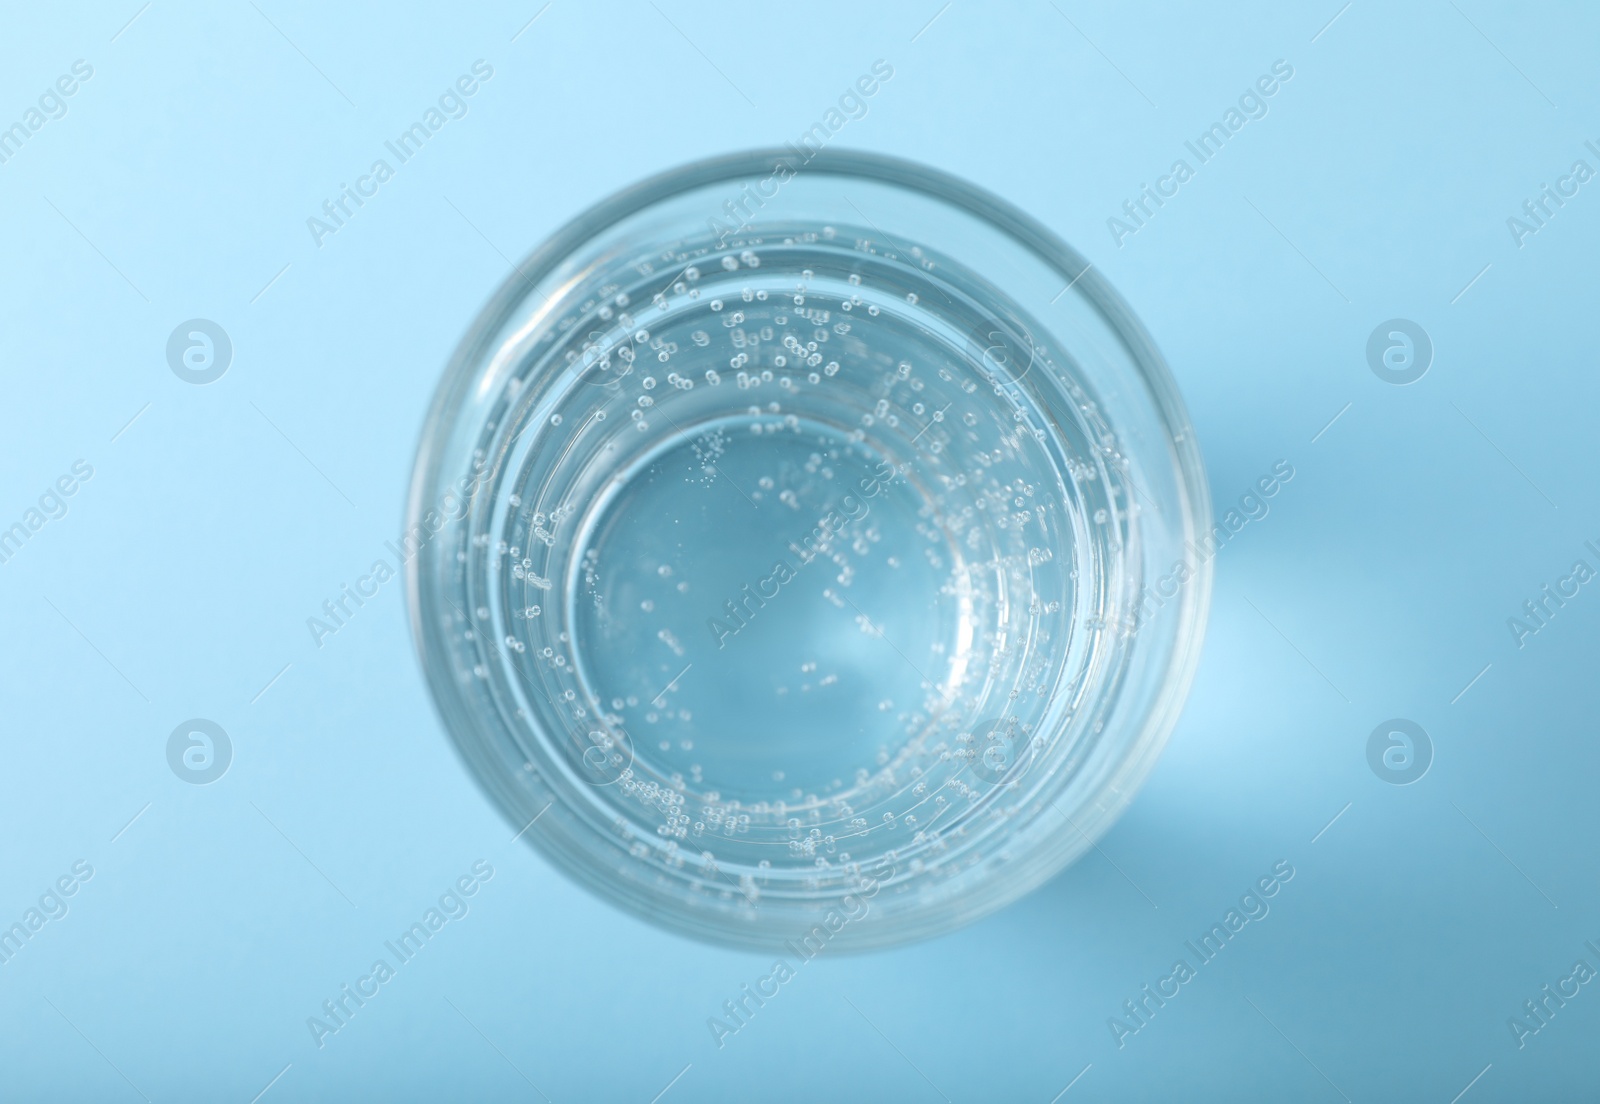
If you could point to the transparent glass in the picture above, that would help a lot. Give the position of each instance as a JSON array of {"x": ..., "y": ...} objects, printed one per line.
[{"x": 802, "y": 551}]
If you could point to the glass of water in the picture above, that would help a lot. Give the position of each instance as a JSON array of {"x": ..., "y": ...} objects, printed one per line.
[{"x": 801, "y": 544}]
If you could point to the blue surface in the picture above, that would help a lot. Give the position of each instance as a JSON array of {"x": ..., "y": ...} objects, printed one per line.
[{"x": 177, "y": 584}]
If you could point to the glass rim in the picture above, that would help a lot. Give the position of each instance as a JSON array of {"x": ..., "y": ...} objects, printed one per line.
[{"x": 1078, "y": 274}]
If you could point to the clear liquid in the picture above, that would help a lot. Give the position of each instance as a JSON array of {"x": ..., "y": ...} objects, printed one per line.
[{"x": 795, "y": 571}]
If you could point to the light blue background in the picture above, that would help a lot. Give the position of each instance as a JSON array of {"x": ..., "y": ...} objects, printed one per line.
[{"x": 216, "y": 523}]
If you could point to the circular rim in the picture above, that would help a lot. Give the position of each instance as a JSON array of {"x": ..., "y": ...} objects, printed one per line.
[{"x": 1118, "y": 789}]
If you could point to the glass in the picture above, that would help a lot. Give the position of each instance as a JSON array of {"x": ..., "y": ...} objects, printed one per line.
[{"x": 802, "y": 551}]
